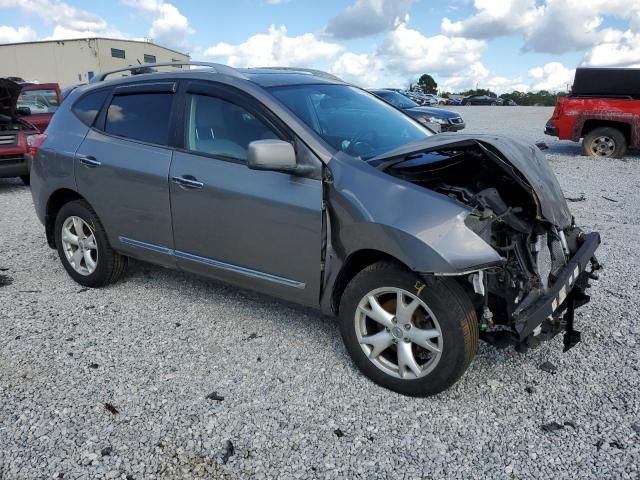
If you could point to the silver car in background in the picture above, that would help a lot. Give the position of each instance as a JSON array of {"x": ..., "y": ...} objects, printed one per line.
[{"x": 296, "y": 184}]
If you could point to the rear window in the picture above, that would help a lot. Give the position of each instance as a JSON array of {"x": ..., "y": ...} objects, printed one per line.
[
  {"x": 88, "y": 107},
  {"x": 143, "y": 117}
]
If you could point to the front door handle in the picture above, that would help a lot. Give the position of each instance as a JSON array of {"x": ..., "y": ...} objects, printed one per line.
[
  {"x": 188, "y": 182},
  {"x": 88, "y": 161}
]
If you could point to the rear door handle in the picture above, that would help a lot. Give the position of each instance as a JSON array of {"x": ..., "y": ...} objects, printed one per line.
[
  {"x": 88, "y": 161},
  {"x": 187, "y": 182}
]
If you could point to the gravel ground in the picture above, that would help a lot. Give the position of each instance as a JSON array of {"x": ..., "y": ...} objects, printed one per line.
[{"x": 165, "y": 375}]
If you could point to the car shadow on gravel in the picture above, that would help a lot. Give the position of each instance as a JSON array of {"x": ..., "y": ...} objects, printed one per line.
[
  {"x": 204, "y": 288},
  {"x": 11, "y": 184},
  {"x": 574, "y": 149},
  {"x": 293, "y": 316}
]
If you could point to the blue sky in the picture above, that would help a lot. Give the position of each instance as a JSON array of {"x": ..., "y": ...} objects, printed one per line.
[{"x": 500, "y": 44}]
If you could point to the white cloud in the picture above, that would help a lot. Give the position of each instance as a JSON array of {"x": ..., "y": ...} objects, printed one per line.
[
  {"x": 14, "y": 35},
  {"x": 361, "y": 69},
  {"x": 408, "y": 51},
  {"x": 616, "y": 49},
  {"x": 274, "y": 48},
  {"x": 553, "y": 26},
  {"x": 60, "y": 14},
  {"x": 169, "y": 27},
  {"x": 565, "y": 26},
  {"x": 494, "y": 18},
  {"x": 552, "y": 76},
  {"x": 368, "y": 17}
]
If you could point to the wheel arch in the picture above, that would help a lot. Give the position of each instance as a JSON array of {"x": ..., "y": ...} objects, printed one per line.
[
  {"x": 627, "y": 123},
  {"x": 624, "y": 127},
  {"x": 354, "y": 264},
  {"x": 56, "y": 201}
]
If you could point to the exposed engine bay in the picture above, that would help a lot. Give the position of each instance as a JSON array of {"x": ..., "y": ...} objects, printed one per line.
[
  {"x": 505, "y": 211},
  {"x": 12, "y": 125}
]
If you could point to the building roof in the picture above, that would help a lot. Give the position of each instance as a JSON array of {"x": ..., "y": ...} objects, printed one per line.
[{"x": 63, "y": 40}]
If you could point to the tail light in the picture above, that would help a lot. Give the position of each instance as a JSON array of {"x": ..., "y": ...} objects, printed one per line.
[
  {"x": 34, "y": 142},
  {"x": 559, "y": 106}
]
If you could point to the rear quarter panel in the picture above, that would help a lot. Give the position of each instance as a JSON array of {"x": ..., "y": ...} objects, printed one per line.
[{"x": 53, "y": 167}]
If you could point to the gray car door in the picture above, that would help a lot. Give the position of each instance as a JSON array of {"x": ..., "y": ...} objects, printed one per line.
[
  {"x": 122, "y": 169},
  {"x": 258, "y": 229}
]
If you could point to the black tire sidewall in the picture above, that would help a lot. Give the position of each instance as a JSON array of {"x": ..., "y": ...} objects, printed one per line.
[
  {"x": 614, "y": 133},
  {"x": 102, "y": 272},
  {"x": 437, "y": 297}
]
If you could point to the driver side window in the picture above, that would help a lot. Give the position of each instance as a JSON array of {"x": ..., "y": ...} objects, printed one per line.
[{"x": 221, "y": 128}]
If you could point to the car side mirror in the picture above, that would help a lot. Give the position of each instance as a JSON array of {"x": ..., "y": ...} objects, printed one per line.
[
  {"x": 23, "y": 111},
  {"x": 274, "y": 155}
]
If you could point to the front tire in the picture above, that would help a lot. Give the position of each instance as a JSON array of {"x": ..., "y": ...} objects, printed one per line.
[
  {"x": 83, "y": 248},
  {"x": 404, "y": 335},
  {"x": 606, "y": 142}
]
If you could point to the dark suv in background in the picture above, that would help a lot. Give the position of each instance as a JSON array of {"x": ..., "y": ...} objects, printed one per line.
[
  {"x": 448, "y": 120},
  {"x": 482, "y": 100},
  {"x": 296, "y": 184}
]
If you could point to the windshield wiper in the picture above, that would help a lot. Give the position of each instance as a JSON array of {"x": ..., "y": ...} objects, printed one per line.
[{"x": 385, "y": 164}]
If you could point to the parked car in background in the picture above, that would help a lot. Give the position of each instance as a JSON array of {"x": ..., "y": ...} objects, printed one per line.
[
  {"x": 25, "y": 110},
  {"x": 448, "y": 120},
  {"x": 481, "y": 100},
  {"x": 438, "y": 100},
  {"x": 420, "y": 98},
  {"x": 301, "y": 186},
  {"x": 43, "y": 100},
  {"x": 508, "y": 102},
  {"x": 603, "y": 110}
]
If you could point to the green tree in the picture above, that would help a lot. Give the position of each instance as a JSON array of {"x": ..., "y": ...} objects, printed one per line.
[
  {"x": 427, "y": 84},
  {"x": 479, "y": 91}
]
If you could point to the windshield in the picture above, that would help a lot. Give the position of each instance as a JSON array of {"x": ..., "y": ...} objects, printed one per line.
[
  {"x": 39, "y": 101},
  {"x": 396, "y": 99},
  {"x": 351, "y": 120}
]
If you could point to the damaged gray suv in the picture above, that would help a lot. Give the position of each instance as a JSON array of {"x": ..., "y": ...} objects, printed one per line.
[{"x": 298, "y": 185}]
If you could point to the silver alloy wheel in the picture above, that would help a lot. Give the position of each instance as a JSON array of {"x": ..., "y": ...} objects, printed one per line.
[
  {"x": 79, "y": 245},
  {"x": 603, "y": 146},
  {"x": 398, "y": 333}
]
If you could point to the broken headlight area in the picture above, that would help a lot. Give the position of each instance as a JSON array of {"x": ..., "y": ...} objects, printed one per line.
[{"x": 538, "y": 255}]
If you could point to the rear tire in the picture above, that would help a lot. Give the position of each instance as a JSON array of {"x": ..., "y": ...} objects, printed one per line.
[
  {"x": 605, "y": 142},
  {"x": 84, "y": 251},
  {"x": 439, "y": 316},
  {"x": 26, "y": 179}
]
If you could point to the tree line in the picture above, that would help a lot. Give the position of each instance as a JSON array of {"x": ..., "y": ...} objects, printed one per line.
[{"x": 426, "y": 84}]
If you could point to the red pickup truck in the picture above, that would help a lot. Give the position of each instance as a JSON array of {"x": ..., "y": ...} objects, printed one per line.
[
  {"x": 603, "y": 110},
  {"x": 25, "y": 109}
]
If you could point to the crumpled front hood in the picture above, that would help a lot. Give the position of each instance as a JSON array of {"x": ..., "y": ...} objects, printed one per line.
[
  {"x": 9, "y": 92},
  {"x": 525, "y": 159}
]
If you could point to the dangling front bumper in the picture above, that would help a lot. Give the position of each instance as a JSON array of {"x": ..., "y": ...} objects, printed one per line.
[{"x": 567, "y": 292}]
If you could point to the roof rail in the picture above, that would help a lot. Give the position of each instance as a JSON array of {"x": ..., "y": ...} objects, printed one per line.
[
  {"x": 310, "y": 71},
  {"x": 217, "y": 67}
]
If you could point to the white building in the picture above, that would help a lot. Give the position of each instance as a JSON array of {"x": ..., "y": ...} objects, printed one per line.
[{"x": 69, "y": 62}]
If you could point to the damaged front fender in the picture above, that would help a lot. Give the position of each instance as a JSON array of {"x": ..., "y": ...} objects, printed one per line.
[{"x": 422, "y": 229}]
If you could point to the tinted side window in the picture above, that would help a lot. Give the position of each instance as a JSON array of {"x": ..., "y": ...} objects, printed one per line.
[
  {"x": 218, "y": 127},
  {"x": 143, "y": 116},
  {"x": 87, "y": 107}
]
